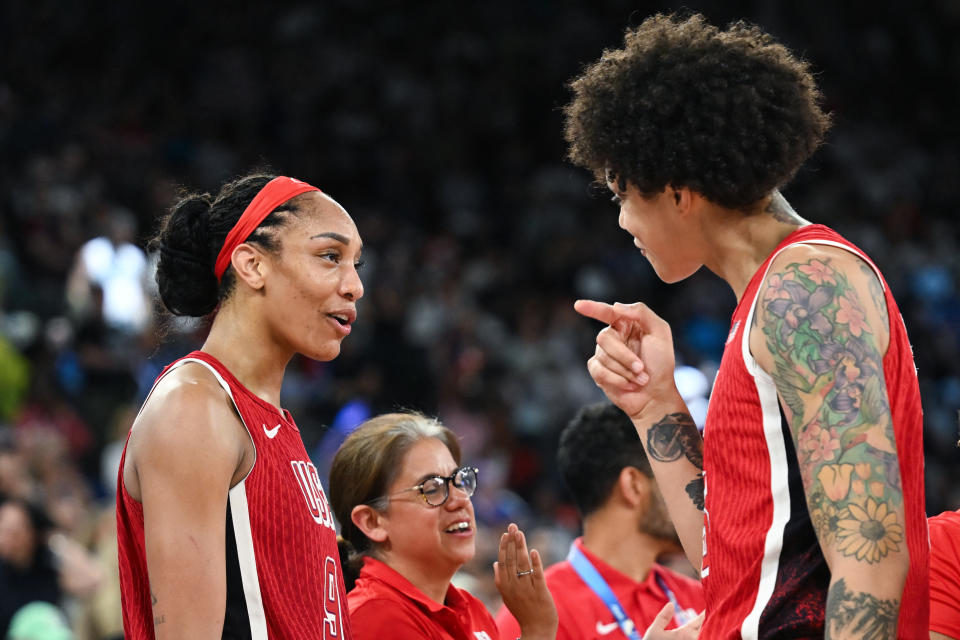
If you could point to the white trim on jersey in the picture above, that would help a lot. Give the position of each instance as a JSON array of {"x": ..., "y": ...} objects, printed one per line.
[
  {"x": 776, "y": 447},
  {"x": 226, "y": 387},
  {"x": 240, "y": 513},
  {"x": 242, "y": 531},
  {"x": 779, "y": 482},
  {"x": 248, "y": 561},
  {"x": 845, "y": 247}
]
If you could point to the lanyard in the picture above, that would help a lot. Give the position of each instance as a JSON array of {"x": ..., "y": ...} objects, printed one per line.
[
  {"x": 680, "y": 615},
  {"x": 589, "y": 574}
]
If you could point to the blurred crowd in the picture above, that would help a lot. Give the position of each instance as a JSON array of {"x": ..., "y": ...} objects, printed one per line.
[{"x": 438, "y": 128}]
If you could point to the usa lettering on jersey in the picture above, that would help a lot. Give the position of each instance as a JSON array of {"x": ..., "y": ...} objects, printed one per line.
[{"x": 312, "y": 490}]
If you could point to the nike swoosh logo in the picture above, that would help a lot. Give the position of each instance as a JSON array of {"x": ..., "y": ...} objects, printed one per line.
[
  {"x": 604, "y": 629},
  {"x": 271, "y": 433}
]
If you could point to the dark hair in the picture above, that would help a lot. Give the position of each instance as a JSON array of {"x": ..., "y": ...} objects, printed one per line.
[
  {"x": 595, "y": 446},
  {"x": 365, "y": 466},
  {"x": 730, "y": 114},
  {"x": 36, "y": 513},
  {"x": 191, "y": 236},
  {"x": 41, "y": 526}
]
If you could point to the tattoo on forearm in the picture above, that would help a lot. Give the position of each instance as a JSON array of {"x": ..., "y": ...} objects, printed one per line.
[
  {"x": 859, "y": 615},
  {"x": 695, "y": 491},
  {"x": 829, "y": 373},
  {"x": 674, "y": 436}
]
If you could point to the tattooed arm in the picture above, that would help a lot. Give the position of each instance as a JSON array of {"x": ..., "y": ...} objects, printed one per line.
[
  {"x": 645, "y": 390},
  {"x": 820, "y": 330}
]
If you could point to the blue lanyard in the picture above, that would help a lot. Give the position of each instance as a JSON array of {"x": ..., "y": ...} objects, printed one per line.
[
  {"x": 589, "y": 574},
  {"x": 680, "y": 615}
]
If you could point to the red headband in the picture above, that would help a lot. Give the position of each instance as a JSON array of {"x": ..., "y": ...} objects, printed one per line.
[{"x": 274, "y": 194}]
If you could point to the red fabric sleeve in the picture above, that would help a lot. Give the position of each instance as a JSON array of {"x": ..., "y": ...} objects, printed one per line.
[
  {"x": 944, "y": 569},
  {"x": 378, "y": 619},
  {"x": 510, "y": 628},
  {"x": 508, "y": 625}
]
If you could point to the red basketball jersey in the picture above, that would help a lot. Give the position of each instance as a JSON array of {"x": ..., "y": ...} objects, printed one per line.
[
  {"x": 945, "y": 573},
  {"x": 764, "y": 574},
  {"x": 283, "y": 568}
]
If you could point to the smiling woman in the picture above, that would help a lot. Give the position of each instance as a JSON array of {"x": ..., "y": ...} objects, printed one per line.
[
  {"x": 402, "y": 498},
  {"x": 224, "y": 529}
]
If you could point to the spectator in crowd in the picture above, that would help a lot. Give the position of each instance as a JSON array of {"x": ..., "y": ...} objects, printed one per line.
[
  {"x": 118, "y": 269},
  {"x": 694, "y": 130},
  {"x": 402, "y": 498},
  {"x": 38, "y": 564},
  {"x": 611, "y": 578}
]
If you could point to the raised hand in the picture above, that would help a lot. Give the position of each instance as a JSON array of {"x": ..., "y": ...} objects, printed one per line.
[
  {"x": 519, "y": 578},
  {"x": 634, "y": 360}
]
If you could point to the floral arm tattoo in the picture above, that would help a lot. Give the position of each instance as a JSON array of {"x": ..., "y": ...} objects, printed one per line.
[
  {"x": 676, "y": 435},
  {"x": 829, "y": 372}
]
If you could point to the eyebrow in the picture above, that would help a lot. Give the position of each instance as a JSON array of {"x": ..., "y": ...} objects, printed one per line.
[
  {"x": 427, "y": 476},
  {"x": 333, "y": 235},
  {"x": 435, "y": 474}
]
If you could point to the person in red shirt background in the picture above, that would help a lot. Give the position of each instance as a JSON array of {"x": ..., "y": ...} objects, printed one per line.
[
  {"x": 625, "y": 529},
  {"x": 407, "y": 523},
  {"x": 944, "y": 572}
]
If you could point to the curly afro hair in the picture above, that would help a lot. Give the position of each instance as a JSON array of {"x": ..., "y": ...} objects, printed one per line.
[{"x": 730, "y": 114}]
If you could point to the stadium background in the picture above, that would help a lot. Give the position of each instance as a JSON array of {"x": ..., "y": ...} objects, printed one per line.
[{"x": 437, "y": 126}]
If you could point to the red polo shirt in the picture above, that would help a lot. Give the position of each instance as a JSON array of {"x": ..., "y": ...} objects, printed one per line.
[
  {"x": 384, "y": 604},
  {"x": 584, "y": 615},
  {"x": 944, "y": 569}
]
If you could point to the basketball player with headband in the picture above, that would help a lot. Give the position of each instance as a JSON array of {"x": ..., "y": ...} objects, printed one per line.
[{"x": 224, "y": 528}]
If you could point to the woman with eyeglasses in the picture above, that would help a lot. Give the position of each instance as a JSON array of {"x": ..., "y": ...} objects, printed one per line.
[{"x": 402, "y": 497}]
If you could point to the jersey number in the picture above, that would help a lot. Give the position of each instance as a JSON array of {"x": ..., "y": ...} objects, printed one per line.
[
  {"x": 704, "y": 564},
  {"x": 331, "y": 601}
]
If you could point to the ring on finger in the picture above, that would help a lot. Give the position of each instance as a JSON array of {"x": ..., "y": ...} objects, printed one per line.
[{"x": 524, "y": 573}]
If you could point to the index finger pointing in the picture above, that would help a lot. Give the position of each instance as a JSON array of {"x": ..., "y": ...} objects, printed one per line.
[{"x": 597, "y": 310}]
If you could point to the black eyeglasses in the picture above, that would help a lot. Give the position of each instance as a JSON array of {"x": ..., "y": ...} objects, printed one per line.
[{"x": 436, "y": 490}]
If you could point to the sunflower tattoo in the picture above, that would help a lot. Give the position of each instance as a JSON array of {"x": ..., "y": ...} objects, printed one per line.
[{"x": 870, "y": 532}]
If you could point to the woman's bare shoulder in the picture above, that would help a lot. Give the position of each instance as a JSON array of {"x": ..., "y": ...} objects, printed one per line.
[{"x": 188, "y": 419}]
